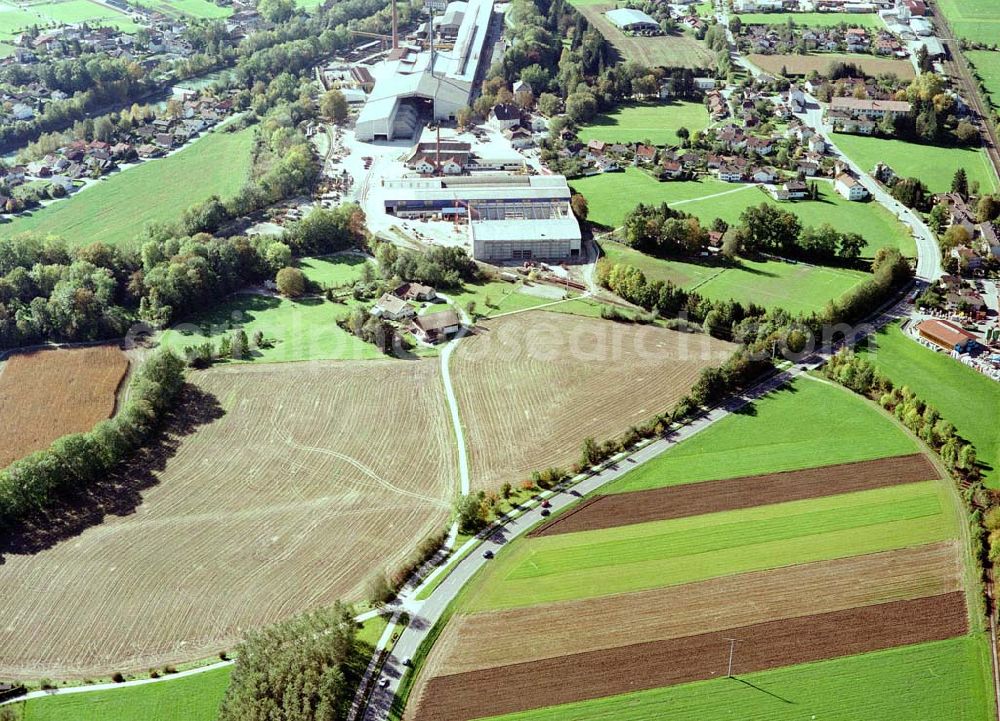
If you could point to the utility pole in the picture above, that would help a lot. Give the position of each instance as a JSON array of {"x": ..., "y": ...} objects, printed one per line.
[{"x": 732, "y": 650}]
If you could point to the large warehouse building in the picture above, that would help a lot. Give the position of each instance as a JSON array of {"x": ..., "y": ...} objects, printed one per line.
[
  {"x": 412, "y": 84},
  {"x": 511, "y": 217},
  {"x": 635, "y": 21}
]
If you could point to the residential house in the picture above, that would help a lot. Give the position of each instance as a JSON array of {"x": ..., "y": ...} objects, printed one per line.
[
  {"x": 645, "y": 154},
  {"x": 505, "y": 115},
  {"x": 795, "y": 189},
  {"x": 849, "y": 187},
  {"x": 392, "y": 307},
  {"x": 730, "y": 174},
  {"x": 433, "y": 327},
  {"x": 519, "y": 137},
  {"x": 415, "y": 291}
]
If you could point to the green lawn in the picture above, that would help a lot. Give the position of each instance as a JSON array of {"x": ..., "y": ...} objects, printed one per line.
[
  {"x": 709, "y": 199},
  {"x": 194, "y": 8},
  {"x": 986, "y": 64},
  {"x": 192, "y": 698},
  {"x": 930, "y": 681},
  {"x": 933, "y": 165},
  {"x": 158, "y": 190},
  {"x": 965, "y": 397},
  {"x": 497, "y": 297},
  {"x": 977, "y": 20},
  {"x": 14, "y": 19},
  {"x": 77, "y": 11},
  {"x": 300, "y": 330},
  {"x": 804, "y": 425},
  {"x": 333, "y": 270},
  {"x": 666, "y": 553},
  {"x": 654, "y": 123},
  {"x": 811, "y": 19},
  {"x": 796, "y": 287}
]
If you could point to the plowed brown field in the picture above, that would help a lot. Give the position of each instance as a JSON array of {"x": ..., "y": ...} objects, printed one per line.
[
  {"x": 761, "y": 646},
  {"x": 51, "y": 393},
  {"x": 624, "y": 509},
  {"x": 484, "y": 640},
  {"x": 531, "y": 387},
  {"x": 316, "y": 475}
]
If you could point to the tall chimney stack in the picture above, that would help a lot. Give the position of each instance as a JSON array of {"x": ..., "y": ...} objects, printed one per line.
[{"x": 395, "y": 26}]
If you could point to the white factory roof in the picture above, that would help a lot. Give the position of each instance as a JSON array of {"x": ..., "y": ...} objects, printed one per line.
[
  {"x": 565, "y": 228},
  {"x": 623, "y": 17},
  {"x": 411, "y": 73},
  {"x": 479, "y": 192}
]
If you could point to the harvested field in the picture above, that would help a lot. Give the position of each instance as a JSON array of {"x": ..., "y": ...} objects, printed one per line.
[
  {"x": 483, "y": 640},
  {"x": 655, "y": 664},
  {"x": 805, "y": 64},
  {"x": 51, "y": 393},
  {"x": 296, "y": 486},
  {"x": 674, "y": 50},
  {"x": 657, "y": 504},
  {"x": 532, "y": 386}
]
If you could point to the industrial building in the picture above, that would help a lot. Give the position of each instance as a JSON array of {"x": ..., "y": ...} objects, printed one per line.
[
  {"x": 947, "y": 335},
  {"x": 635, "y": 21},
  {"x": 415, "y": 84},
  {"x": 510, "y": 217}
]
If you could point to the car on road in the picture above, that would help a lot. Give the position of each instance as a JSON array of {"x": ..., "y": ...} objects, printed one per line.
[
  {"x": 546, "y": 512},
  {"x": 384, "y": 683},
  {"x": 487, "y": 554},
  {"x": 407, "y": 661},
  {"x": 546, "y": 504}
]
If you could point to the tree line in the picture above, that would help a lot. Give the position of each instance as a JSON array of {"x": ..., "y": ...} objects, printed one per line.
[
  {"x": 51, "y": 292},
  {"x": 758, "y": 328},
  {"x": 78, "y": 460},
  {"x": 665, "y": 232}
]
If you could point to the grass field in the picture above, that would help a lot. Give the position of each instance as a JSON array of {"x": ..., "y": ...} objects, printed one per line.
[
  {"x": 333, "y": 270},
  {"x": 279, "y": 488},
  {"x": 299, "y": 330},
  {"x": 932, "y": 164},
  {"x": 565, "y": 378},
  {"x": 977, "y": 20},
  {"x": 51, "y": 393},
  {"x": 668, "y": 553},
  {"x": 811, "y": 20},
  {"x": 709, "y": 199},
  {"x": 202, "y": 9},
  {"x": 78, "y": 11},
  {"x": 943, "y": 679},
  {"x": 772, "y": 284},
  {"x": 653, "y": 123},
  {"x": 871, "y": 65},
  {"x": 950, "y": 387},
  {"x": 788, "y": 430},
  {"x": 676, "y": 50},
  {"x": 117, "y": 208},
  {"x": 192, "y": 698},
  {"x": 986, "y": 64}
]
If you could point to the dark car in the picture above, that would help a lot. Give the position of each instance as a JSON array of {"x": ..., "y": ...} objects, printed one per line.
[
  {"x": 546, "y": 511},
  {"x": 487, "y": 554}
]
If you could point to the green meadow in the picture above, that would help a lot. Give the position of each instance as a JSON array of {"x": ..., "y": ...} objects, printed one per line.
[{"x": 803, "y": 425}]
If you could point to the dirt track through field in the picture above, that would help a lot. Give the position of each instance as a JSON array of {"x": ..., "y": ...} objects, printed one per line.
[
  {"x": 532, "y": 386},
  {"x": 692, "y": 499},
  {"x": 641, "y": 666},
  {"x": 305, "y": 480},
  {"x": 483, "y": 640},
  {"x": 51, "y": 393}
]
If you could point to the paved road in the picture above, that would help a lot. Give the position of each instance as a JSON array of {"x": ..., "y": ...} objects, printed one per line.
[{"x": 928, "y": 254}]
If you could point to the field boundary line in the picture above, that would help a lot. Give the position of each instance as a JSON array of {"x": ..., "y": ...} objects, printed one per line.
[{"x": 452, "y": 400}]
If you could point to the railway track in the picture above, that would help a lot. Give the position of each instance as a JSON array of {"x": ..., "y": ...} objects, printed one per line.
[{"x": 958, "y": 67}]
